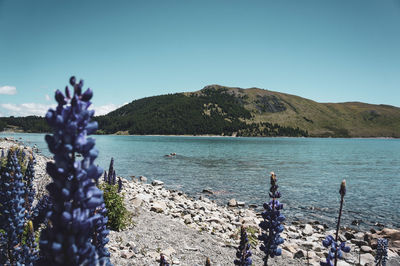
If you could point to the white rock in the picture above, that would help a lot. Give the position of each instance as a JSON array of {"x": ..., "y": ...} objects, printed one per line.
[
  {"x": 157, "y": 183},
  {"x": 168, "y": 251},
  {"x": 158, "y": 206},
  {"x": 366, "y": 258},
  {"x": 232, "y": 203},
  {"x": 308, "y": 230}
]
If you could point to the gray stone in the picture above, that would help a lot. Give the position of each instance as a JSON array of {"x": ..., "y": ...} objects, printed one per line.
[
  {"x": 241, "y": 203},
  {"x": 348, "y": 235},
  {"x": 208, "y": 191},
  {"x": 308, "y": 230},
  {"x": 366, "y": 258},
  {"x": 232, "y": 203},
  {"x": 342, "y": 263},
  {"x": 366, "y": 249},
  {"x": 299, "y": 254},
  {"x": 168, "y": 251},
  {"x": 157, "y": 183},
  {"x": 158, "y": 206}
]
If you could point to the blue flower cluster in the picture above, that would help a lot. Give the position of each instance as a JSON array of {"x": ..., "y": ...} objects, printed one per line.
[
  {"x": 29, "y": 190},
  {"x": 39, "y": 212},
  {"x": 12, "y": 218},
  {"x": 29, "y": 250},
  {"x": 111, "y": 177},
  {"x": 243, "y": 252},
  {"x": 334, "y": 251},
  {"x": 272, "y": 223},
  {"x": 68, "y": 238},
  {"x": 381, "y": 252}
]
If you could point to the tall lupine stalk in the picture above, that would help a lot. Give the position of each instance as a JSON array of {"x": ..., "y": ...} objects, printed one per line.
[
  {"x": 68, "y": 238},
  {"x": 381, "y": 252},
  {"x": 30, "y": 251},
  {"x": 29, "y": 190},
  {"x": 335, "y": 251},
  {"x": 243, "y": 252},
  {"x": 12, "y": 211},
  {"x": 39, "y": 212},
  {"x": 101, "y": 232},
  {"x": 272, "y": 223}
]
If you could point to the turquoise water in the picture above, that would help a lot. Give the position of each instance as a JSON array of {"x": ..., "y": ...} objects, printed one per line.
[{"x": 309, "y": 171}]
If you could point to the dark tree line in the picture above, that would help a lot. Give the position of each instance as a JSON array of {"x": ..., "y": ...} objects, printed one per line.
[{"x": 213, "y": 111}]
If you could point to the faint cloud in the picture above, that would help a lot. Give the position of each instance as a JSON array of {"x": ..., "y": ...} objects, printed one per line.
[
  {"x": 47, "y": 97},
  {"x": 25, "y": 109},
  {"x": 9, "y": 90},
  {"x": 104, "y": 109}
]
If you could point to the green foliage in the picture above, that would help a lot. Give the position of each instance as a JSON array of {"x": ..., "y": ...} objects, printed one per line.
[
  {"x": 2, "y": 125},
  {"x": 119, "y": 217},
  {"x": 213, "y": 111},
  {"x": 27, "y": 124},
  {"x": 252, "y": 234}
]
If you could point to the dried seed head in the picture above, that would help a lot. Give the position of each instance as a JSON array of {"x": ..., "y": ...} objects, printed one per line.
[{"x": 342, "y": 190}]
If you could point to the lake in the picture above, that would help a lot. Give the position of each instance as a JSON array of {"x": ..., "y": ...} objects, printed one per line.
[{"x": 309, "y": 171}]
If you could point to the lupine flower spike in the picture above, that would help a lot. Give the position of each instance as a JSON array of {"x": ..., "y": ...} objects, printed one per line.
[
  {"x": 68, "y": 238},
  {"x": 272, "y": 223},
  {"x": 335, "y": 251},
  {"x": 119, "y": 184},
  {"x": 381, "y": 252},
  {"x": 12, "y": 218},
  {"x": 243, "y": 252},
  {"x": 29, "y": 190}
]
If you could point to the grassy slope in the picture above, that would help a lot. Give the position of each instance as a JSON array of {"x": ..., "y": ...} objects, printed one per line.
[{"x": 353, "y": 119}]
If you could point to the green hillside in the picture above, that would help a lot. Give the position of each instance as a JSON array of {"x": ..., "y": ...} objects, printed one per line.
[
  {"x": 251, "y": 112},
  {"x": 219, "y": 110}
]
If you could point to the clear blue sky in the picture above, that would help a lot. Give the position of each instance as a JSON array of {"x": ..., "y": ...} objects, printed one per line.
[{"x": 328, "y": 51}]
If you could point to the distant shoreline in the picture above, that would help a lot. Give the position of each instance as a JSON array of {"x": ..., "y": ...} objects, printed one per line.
[{"x": 206, "y": 135}]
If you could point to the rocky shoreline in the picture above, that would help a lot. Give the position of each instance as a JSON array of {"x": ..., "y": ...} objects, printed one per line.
[{"x": 188, "y": 230}]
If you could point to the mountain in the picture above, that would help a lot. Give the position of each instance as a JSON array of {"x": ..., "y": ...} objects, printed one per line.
[{"x": 223, "y": 110}]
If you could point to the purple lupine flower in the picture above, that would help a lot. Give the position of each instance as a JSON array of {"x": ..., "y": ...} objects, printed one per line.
[
  {"x": 12, "y": 211},
  {"x": 119, "y": 184},
  {"x": 335, "y": 251},
  {"x": 114, "y": 178},
  {"x": 101, "y": 232},
  {"x": 29, "y": 250},
  {"x": 39, "y": 212},
  {"x": 381, "y": 252},
  {"x": 68, "y": 239},
  {"x": 110, "y": 172},
  {"x": 272, "y": 223},
  {"x": 243, "y": 252},
  {"x": 105, "y": 176},
  {"x": 29, "y": 189}
]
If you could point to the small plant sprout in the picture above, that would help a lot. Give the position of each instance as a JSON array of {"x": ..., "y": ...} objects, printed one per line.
[
  {"x": 381, "y": 252},
  {"x": 272, "y": 224},
  {"x": 243, "y": 252},
  {"x": 335, "y": 251}
]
